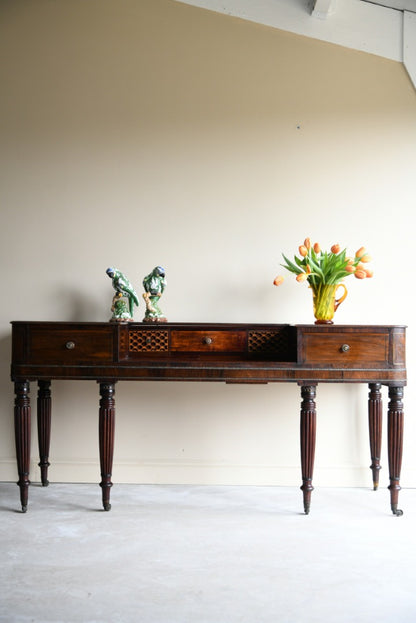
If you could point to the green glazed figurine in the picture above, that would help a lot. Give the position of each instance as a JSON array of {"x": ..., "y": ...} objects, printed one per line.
[
  {"x": 154, "y": 285},
  {"x": 125, "y": 297}
]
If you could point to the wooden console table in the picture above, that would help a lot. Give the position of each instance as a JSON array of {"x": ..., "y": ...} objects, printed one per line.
[{"x": 232, "y": 353}]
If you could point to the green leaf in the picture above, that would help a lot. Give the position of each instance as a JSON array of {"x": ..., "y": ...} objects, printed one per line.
[{"x": 290, "y": 266}]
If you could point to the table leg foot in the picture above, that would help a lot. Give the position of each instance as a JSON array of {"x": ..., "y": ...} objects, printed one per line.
[
  {"x": 106, "y": 486},
  {"x": 24, "y": 493},
  {"x": 307, "y": 489}
]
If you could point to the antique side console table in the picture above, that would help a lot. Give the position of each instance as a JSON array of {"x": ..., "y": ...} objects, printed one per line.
[{"x": 208, "y": 352}]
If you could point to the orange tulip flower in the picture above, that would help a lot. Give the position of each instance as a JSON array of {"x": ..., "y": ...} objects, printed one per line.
[
  {"x": 365, "y": 258},
  {"x": 360, "y": 273},
  {"x": 317, "y": 248},
  {"x": 369, "y": 272},
  {"x": 301, "y": 277},
  {"x": 361, "y": 251},
  {"x": 335, "y": 248},
  {"x": 303, "y": 251},
  {"x": 307, "y": 243},
  {"x": 350, "y": 268},
  {"x": 278, "y": 280}
]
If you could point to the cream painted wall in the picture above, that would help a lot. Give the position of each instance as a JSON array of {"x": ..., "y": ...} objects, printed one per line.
[{"x": 144, "y": 132}]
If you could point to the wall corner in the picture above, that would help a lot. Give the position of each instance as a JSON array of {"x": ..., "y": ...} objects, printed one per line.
[{"x": 409, "y": 44}]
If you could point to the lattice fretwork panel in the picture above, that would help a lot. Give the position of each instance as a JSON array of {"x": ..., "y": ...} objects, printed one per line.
[
  {"x": 270, "y": 342},
  {"x": 146, "y": 341}
]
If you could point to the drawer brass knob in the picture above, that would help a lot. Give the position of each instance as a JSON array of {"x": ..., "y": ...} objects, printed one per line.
[
  {"x": 345, "y": 348},
  {"x": 70, "y": 345},
  {"x": 207, "y": 340}
]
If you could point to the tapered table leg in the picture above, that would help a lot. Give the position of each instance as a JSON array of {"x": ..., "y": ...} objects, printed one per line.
[
  {"x": 375, "y": 418},
  {"x": 22, "y": 417},
  {"x": 395, "y": 444},
  {"x": 106, "y": 439},
  {"x": 44, "y": 428},
  {"x": 307, "y": 441}
]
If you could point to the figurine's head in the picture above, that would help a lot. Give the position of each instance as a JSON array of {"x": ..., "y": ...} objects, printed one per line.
[
  {"x": 159, "y": 271},
  {"x": 110, "y": 272}
]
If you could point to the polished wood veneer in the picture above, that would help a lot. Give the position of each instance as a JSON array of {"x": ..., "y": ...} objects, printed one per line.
[{"x": 208, "y": 352}]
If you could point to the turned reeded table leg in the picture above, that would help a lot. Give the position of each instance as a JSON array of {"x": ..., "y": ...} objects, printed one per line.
[
  {"x": 22, "y": 415},
  {"x": 395, "y": 444},
  {"x": 375, "y": 418},
  {"x": 44, "y": 428},
  {"x": 307, "y": 441},
  {"x": 106, "y": 439}
]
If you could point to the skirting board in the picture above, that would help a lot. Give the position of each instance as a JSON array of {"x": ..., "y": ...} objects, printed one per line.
[{"x": 199, "y": 473}]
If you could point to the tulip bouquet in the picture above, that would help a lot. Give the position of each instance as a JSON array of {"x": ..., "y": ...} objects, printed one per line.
[
  {"x": 323, "y": 267},
  {"x": 324, "y": 271}
]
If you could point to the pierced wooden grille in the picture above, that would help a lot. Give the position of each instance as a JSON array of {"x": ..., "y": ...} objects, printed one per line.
[
  {"x": 146, "y": 341},
  {"x": 268, "y": 342}
]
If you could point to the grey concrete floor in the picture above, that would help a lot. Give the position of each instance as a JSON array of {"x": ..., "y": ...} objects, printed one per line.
[{"x": 204, "y": 554}]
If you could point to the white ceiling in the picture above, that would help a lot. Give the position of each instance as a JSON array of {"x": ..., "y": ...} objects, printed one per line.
[{"x": 401, "y": 5}]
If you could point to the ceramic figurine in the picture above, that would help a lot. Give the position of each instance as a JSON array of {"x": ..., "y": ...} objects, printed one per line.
[
  {"x": 125, "y": 297},
  {"x": 154, "y": 285},
  {"x": 120, "y": 308}
]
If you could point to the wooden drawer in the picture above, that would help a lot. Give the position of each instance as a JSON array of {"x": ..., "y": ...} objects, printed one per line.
[
  {"x": 337, "y": 349},
  {"x": 208, "y": 341},
  {"x": 69, "y": 345}
]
